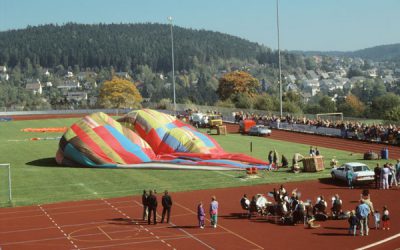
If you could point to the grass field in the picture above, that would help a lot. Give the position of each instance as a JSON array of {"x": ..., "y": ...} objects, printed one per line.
[{"x": 37, "y": 179}]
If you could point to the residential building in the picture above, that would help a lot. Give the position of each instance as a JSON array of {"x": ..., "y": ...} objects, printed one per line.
[
  {"x": 124, "y": 75},
  {"x": 34, "y": 86},
  {"x": 292, "y": 87},
  {"x": 69, "y": 84},
  {"x": 77, "y": 96},
  {"x": 311, "y": 75}
]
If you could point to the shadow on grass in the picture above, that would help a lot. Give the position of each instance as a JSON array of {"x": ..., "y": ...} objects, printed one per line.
[
  {"x": 44, "y": 162},
  {"x": 49, "y": 162}
]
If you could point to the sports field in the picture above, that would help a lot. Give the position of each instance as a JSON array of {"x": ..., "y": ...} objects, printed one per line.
[
  {"x": 37, "y": 179},
  {"x": 101, "y": 208}
]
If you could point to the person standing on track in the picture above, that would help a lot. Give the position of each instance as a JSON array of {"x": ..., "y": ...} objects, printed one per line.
[
  {"x": 201, "y": 215},
  {"x": 167, "y": 204},
  {"x": 145, "y": 196},
  {"x": 377, "y": 176},
  {"x": 152, "y": 203},
  {"x": 214, "y": 211}
]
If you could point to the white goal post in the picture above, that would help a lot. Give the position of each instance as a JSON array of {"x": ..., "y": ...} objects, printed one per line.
[
  {"x": 330, "y": 115},
  {"x": 8, "y": 171}
]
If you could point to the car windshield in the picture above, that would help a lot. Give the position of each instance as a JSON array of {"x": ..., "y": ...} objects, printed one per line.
[{"x": 360, "y": 168}]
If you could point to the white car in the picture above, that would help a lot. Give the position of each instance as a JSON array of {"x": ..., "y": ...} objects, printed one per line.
[
  {"x": 259, "y": 130},
  {"x": 361, "y": 172}
]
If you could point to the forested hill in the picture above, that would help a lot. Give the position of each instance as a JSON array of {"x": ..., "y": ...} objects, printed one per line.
[
  {"x": 389, "y": 52},
  {"x": 120, "y": 46},
  {"x": 379, "y": 53}
]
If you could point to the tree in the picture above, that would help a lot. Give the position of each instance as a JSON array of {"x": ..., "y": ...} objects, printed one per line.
[
  {"x": 393, "y": 114},
  {"x": 237, "y": 82},
  {"x": 327, "y": 104},
  {"x": 382, "y": 104},
  {"x": 265, "y": 102},
  {"x": 119, "y": 93},
  {"x": 352, "y": 106}
]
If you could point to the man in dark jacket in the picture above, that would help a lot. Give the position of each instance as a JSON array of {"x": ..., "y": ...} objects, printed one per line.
[
  {"x": 167, "y": 204},
  {"x": 145, "y": 196},
  {"x": 152, "y": 203},
  {"x": 377, "y": 171}
]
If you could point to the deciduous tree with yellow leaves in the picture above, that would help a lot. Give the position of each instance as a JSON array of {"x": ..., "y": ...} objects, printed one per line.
[
  {"x": 236, "y": 82},
  {"x": 119, "y": 93}
]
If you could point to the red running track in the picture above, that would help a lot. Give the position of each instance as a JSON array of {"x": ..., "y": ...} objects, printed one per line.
[{"x": 116, "y": 224}]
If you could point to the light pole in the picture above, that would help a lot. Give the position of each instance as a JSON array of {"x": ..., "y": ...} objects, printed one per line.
[
  {"x": 279, "y": 57},
  {"x": 173, "y": 62}
]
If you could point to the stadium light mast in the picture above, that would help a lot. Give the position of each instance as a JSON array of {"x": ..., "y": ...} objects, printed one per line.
[
  {"x": 279, "y": 57},
  {"x": 173, "y": 62}
]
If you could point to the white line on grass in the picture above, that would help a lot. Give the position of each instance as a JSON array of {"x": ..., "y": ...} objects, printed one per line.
[{"x": 379, "y": 242}]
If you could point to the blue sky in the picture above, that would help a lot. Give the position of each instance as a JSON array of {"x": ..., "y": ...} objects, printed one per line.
[{"x": 304, "y": 24}]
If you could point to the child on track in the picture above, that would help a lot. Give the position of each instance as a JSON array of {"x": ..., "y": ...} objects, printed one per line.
[
  {"x": 377, "y": 219},
  {"x": 201, "y": 215},
  {"x": 385, "y": 219}
]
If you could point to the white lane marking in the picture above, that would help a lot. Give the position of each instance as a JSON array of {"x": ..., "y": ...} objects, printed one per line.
[
  {"x": 187, "y": 233},
  {"x": 379, "y": 242},
  {"x": 52, "y": 220}
]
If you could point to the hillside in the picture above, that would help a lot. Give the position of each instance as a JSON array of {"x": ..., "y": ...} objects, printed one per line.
[
  {"x": 389, "y": 52},
  {"x": 379, "y": 53},
  {"x": 120, "y": 46}
]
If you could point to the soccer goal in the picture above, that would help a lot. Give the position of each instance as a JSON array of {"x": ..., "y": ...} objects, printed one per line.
[
  {"x": 5, "y": 184},
  {"x": 330, "y": 116}
]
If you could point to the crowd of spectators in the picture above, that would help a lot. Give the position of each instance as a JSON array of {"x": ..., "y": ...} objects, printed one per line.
[{"x": 349, "y": 129}]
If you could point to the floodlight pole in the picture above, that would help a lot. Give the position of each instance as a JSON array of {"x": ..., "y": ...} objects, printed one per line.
[
  {"x": 173, "y": 62},
  {"x": 279, "y": 57}
]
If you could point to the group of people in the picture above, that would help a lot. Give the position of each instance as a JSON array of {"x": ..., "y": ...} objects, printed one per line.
[
  {"x": 213, "y": 213},
  {"x": 293, "y": 210},
  {"x": 387, "y": 176},
  {"x": 359, "y": 218},
  {"x": 349, "y": 129},
  {"x": 150, "y": 203},
  {"x": 314, "y": 151}
]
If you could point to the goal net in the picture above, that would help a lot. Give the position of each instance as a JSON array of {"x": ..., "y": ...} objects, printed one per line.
[
  {"x": 330, "y": 116},
  {"x": 5, "y": 184}
]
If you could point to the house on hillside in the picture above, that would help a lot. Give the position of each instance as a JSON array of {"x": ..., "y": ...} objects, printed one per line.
[
  {"x": 292, "y": 87},
  {"x": 311, "y": 75},
  {"x": 83, "y": 76},
  {"x": 372, "y": 72},
  {"x": 123, "y": 75},
  {"x": 388, "y": 79},
  {"x": 69, "y": 84},
  {"x": 328, "y": 84},
  {"x": 355, "y": 79},
  {"x": 34, "y": 86},
  {"x": 291, "y": 78},
  {"x": 69, "y": 74},
  {"x": 3, "y": 74},
  {"x": 306, "y": 97},
  {"x": 77, "y": 96}
]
